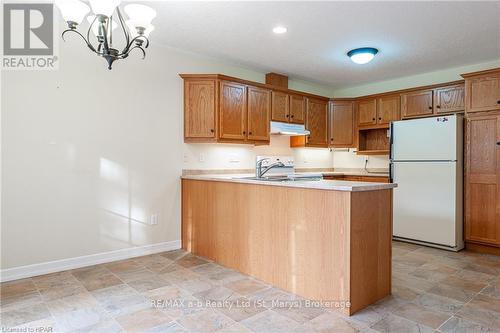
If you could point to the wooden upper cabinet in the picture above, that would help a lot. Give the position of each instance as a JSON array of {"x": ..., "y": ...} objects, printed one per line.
[
  {"x": 280, "y": 106},
  {"x": 297, "y": 109},
  {"x": 482, "y": 200},
  {"x": 232, "y": 111},
  {"x": 259, "y": 111},
  {"x": 449, "y": 99},
  {"x": 388, "y": 109},
  {"x": 367, "y": 112},
  {"x": 199, "y": 109},
  {"x": 316, "y": 122},
  {"x": 483, "y": 92},
  {"x": 417, "y": 103},
  {"x": 341, "y": 124}
]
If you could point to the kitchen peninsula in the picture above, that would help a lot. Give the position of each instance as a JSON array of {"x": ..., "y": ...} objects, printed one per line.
[{"x": 326, "y": 240}]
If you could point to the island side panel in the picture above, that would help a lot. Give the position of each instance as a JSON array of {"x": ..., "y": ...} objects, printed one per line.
[
  {"x": 371, "y": 247},
  {"x": 294, "y": 238}
]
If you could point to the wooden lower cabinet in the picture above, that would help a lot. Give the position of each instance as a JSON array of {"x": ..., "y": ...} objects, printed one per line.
[
  {"x": 482, "y": 191},
  {"x": 370, "y": 179},
  {"x": 317, "y": 244}
]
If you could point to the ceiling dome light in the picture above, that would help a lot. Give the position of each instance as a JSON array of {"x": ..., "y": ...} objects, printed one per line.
[
  {"x": 362, "y": 55},
  {"x": 280, "y": 29}
]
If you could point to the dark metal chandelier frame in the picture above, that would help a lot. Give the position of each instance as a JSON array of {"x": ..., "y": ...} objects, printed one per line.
[{"x": 105, "y": 46}]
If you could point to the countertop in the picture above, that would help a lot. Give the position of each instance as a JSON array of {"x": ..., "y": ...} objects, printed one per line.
[{"x": 331, "y": 185}]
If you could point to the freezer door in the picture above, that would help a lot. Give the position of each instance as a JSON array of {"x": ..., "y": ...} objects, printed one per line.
[
  {"x": 427, "y": 202},
  {"x": 428, "y": 139}
]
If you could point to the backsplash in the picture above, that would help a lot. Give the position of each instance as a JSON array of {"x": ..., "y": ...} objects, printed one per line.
[
  {"x": 349, "y": 159},
  {"x": 205, "y": 156}
]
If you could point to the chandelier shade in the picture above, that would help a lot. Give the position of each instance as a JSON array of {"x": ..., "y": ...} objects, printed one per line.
[
  {"x": 140, "y": 15},
  {"x": 72, "y": 10},
  {"x": 104, "y": 7}
]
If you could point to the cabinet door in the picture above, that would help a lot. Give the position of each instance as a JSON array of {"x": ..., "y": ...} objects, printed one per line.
[
  {"x": 316, "y": 123},
  {"x": 259, "y": 110},
  {"x": 449, "y": 99},
  {"x": 232, "y": 111},
  {"x": 280, "y": 111},
  {"x": 297, "y": 109},
  {"x": 417, "y": 104},
  {"x": 389, "y": 109},
  {"x": 482, "y": 193},
  {"x": 199, "y": 109},
  {"x": 483, "y": 93},
  {"x": 341, "y": 124},
  {"x": 367, "y": 112}
]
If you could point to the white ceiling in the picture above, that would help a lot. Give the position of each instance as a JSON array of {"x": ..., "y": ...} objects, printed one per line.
[{"x": 413, "y": 37}]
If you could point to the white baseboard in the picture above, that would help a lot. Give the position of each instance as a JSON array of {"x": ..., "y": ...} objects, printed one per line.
[{"x": 22, "y": 272}]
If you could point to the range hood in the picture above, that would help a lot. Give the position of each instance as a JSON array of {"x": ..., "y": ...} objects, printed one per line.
[{"x": 278, "y": 128}]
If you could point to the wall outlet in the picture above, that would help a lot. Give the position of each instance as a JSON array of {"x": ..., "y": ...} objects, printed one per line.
[{"x": 154, "y": 219}]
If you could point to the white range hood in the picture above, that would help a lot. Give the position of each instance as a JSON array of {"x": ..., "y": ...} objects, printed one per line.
[{"x": 278, "y": 128}]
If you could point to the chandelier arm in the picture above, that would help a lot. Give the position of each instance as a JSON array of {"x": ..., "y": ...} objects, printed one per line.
[
  {"x": 90, "y": 28},
  {"x": 126, "y": 32},
  {"x": 144, "y": 39},
  {"x": 79, "y": 34},
  {"x": 135, "y": 47}
]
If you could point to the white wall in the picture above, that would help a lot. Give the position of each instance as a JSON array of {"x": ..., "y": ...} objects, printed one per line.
[{"x": 89, "y": 154}]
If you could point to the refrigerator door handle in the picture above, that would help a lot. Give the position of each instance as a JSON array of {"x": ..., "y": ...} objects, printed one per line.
[
  {"x": 391, "y": 140},
  {"x": 391, "y": 172}
]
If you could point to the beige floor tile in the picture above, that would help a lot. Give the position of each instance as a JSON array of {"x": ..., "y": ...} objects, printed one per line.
[
  {"x": 405, "y": 280},
  {"x": 79, "y": 319},
  {"x": 175, "y": 301},
  {"x": 299, "y": 313},
  {"x": 121, "y": 299},
  {"x": 20, "y": 300},
  {"x": 329, "y": 322},
  {"x": 216, "y": 293},
  {"x": 422, "y": 315},
  {"x": 474, "y": 276},
  {"x": 174, "y": 255},
  {"x": 208, "y": 269},
  {"x": 493, "y": 289},
  {"x": 190, "y": 261},
  {"x": 61, "y": 291},
  {"x": 101, "y": 281},
  {"x": 271, "y": 296},
  {"x": 407, "y": 246},
  {"x": 138, "y": 274},
  {"x": 195, "y": 285},
  {"x": 225, "y": 277},
  {"x": 24, "y": 315},
  {"x": 108, "y": 325},
  {"x": 16, "y": 288},
  {"x": 438, "y": 303},
  {"x": 433, "y": 271},
  {"x": 235, "y": 328},
  {"x": 270, "y": 322},
  {"x": 149, "y": 283},
  {"x": 367, "y": 316},
  {"x": 396, "y": 324},
  {"x": 411, "y": 259},
  {"x": 239, "y": 308},
  {"x": 246, "y": 286},
  {"x": 455, "y": 281},
  {"x": 142, "y": 320},
  {"x": 180, "y": 275},
  {"x": 72, "y": 303},
  {"x": 171, "y": 327},
  {"x": 405, "y": 293},
  {"x": 456, "y": 325},
  {"x": 43, "y": 325},
  {"x": 453, "y": 292},
  {"x": 205, "y": 321},
  {"x": 486, "y": 302},
  {"x": 123, "y": 266},
  {"x": 54, "y": 280},
  {"x": 480, "y": 315},
  {"x": 89, "y": 272}
]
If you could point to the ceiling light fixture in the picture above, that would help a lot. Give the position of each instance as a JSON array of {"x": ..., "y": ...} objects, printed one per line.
[
  {"x": 280, "y": 29},
  {"x": 362, "y": 55},
  {"x": 135, "y": 30}
]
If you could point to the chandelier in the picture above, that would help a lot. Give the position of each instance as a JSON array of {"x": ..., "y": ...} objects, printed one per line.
[{"x": 136, "y": 28}]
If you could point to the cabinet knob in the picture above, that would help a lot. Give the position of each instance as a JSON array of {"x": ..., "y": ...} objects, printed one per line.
[
  {"x": 373, "y": 119},
  {"x": 498, "y": 143},
  {"x": 244, "y": 132},
  {"x": 291, "y": 116},
  {"x": 380, "y": 118},
  {"x": 331, "y": 139},
  {"x": 438, "y": 106},
  {"x": 498, "y": 102},
  {"x": 250, "y": 133},
  {"x": 287, "y": 116},
  {"x": 430, "y": 107},
  {"x": 212, "y": 130}
]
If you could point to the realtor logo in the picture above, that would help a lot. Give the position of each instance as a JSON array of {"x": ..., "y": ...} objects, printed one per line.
[{"x": 28, "y": 36}]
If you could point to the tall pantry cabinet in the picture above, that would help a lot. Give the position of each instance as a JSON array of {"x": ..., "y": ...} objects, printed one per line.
[{"x": 482, "y": 163}]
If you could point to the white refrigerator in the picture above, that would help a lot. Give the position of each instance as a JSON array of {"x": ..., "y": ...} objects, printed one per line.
[{"x": 427, "y": 165}]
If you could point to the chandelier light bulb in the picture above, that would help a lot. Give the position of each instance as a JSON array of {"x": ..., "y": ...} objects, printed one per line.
[
  {"x": 72, "y": 11},
  {"x": 104, "y": 7},
  {"x": 140, "y": 15}
]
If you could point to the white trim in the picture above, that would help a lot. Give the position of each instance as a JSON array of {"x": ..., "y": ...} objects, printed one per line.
[{"x": 21, "y": 272}]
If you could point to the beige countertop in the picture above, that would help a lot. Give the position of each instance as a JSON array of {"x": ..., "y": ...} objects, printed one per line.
[{"x": 332, "y": 185}]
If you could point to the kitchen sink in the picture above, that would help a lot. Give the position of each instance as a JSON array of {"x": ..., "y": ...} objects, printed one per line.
[{"x": 290, "y": 178}]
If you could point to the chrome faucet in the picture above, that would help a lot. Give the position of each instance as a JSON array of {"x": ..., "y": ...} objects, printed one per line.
[{"x": 259, "y": 172}]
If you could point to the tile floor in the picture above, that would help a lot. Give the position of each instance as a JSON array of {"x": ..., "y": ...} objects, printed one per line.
[{"x": 433, "y": 291}]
